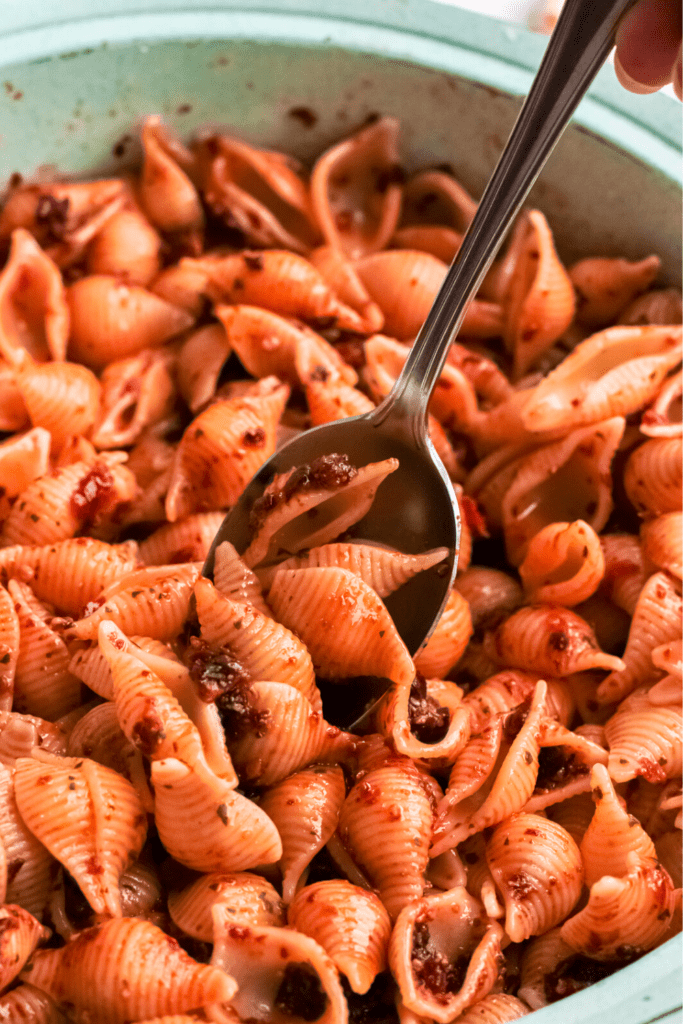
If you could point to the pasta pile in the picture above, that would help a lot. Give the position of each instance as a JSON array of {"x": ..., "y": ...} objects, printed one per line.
[{"x": 184, "y": 834}]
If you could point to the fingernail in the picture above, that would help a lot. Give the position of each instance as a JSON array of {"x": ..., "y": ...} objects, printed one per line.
[
  {"x": 677, "y": 76},
  {"x": 630, "y": 83}
]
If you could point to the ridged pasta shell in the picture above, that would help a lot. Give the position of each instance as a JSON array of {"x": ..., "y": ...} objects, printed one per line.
[
  {"x": 385, "y": 824},
  {"x": 248, "y": 899},
  {"x": 136, "y": 392},
  {"x": 20, "y": 933},
  {"x": 435, "y": 239},
  {"x": 564, "y": 564},
  {"x": 235, "y": 580},
  {"x": 222, "y": 449},
  {"x": 109, "y": 316},
  {"x": 488, "y": 592},
  {"x": 652, "y": 477},
  {"x": 629, "y": 914},
  {"x": 28, "y": 865},
  {"x": 658, "y": 306},
  {"x": 127, "y": 247},
  {"x": 34, "y": 316},
  {"x": 332, "y": 400},
  {"x": 613, "y": 373},
  {"x": 280, "y": 973},
  {"x": 167, "y": 194},
  {"x": 230, "y": 833},
  {"x": 305, "y": 808},
  {"x": 495, "y": 1008},
  {"x": 644, "y": 739},
  {"x": 605, "y": 286},
  {"x": 508, "y": 689},
  {"x": 444, "y": 954},
  {"x": 64, "y": 398},
  {"x": 349, "y": 923},
  {"x": 101, "y": 826},
  {"x": 341, "y": 275},
  {"x": 662, "y": 540},
  {"x": 448, "y": 640},
  {"x": 663, "y": 418},
  {"x": 542, "y": 961},
  {"x": 538, "y": 868},
  {"x": 19, "y": 734},
  {"x": 201, "y": 358},
  {"x": 28, "y": 1005},
  {"x": 340, "y": 492},
  {"x": 9, "y": 648},
  {"x": 436, "y": 197},
  {"x": 612, "y": 833},
  {"x": 356, "y": 189},
  {"x": 625, "y": 573},
  {"x": 188, "y": 540},
  {"x": 182, "y": 285},
  {"x": 127, "y": 970},
  {"x": 23, "y": 458}
]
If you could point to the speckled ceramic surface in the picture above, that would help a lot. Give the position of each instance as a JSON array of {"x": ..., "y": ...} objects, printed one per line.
[{"x": 80, "y": 74}]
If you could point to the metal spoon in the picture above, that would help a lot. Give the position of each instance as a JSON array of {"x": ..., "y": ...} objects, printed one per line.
[{"x": 415, "y": 508}]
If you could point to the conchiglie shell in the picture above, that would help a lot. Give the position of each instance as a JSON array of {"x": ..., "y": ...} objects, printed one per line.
[
  {"x": 386, "y": 824},
  {"x": 539, "y": 301},
  {"x": 290, "y": 734},
  {"x": 657, "y": 619},
  {"x": 201, "y": 358},
  {"x": 663, "y": 418},
  {"x": 630, "y": 913},
  {"x": 305, "y": 808},
  {"x": 612, "y": 833},
  {"x": 488, "y": 592},
  {"x": 28, "y": 863},
  {"x": 508, "y": 689},
  {"x": 341, "y": 275},
  {"x": 349, "y": 923},
  {"x": 249, "y": 899},
  {"x": 235, "y": 580},
  {"x": 182, "y": 285},
  {"x": 126, "y": 247},
  {"x": 101, "y": 826},
  {"x": 355, "y": 194},
  {"x": 644, "y": 739},
  {"x": 436, "y": 197},
  {"x": 659, "y": 306},
  {"x": 43, "y": 683},
  {"x": 266, "y": 649},
  {"x": 188, "y": 540},
  {"x": 229, "y": 833},
  {"x": 334, "y": 401},
  {"x": 662, "y": 542},
  {"x": 152, "y": 601},
  {"x": 223, "y": 448},
  {"x": 605, "y": 286},
  {"x": 127, "y": 970},
  {"x": 23, "y": 458},
  {"x": 136, "y": 392},
  {"x": 613, "y": 373},
  {"x": 450, "y": 636},
  {"x": 435, "y": 239},
  {"x": 167, "y": 194},
  {"x": 652, "y": 477},
  {"x": 448, "y": 929},
  {"x": 34, "y": 316},
  {"x": 20, "y": 933},
  {"x": 495, "y": 1008},
  {"x": 19, "y": 734},
  {"x": 13, "y": 413},
  {"x": 537, "y": 867},
  {"x": 111, "y": 318},
  {"x": 564, "y": 564},
  {"x": 548, "y": 638},
  {"x": 625, "y": 572},
  {"x": 541, "y": 958},
  {"x": 9, "y": 648},
  {"x": 28, "y": 1005},
  {"x": 64, "y": 398}
]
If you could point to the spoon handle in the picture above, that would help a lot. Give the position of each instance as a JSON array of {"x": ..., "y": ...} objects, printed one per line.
[{"x": 581, "y": 41}]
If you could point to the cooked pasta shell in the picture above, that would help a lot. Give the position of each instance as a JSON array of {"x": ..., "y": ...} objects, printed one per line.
[
  {"x": 436, "y": 197},
  {"x": 539, "y": 300},
  {"x": 127, "y": 970},
  {"x": 565, "y": 762},
  {"x": 23, "y": 459},
  {"x": 490, "y": 593},
  {"x": 657, "y": 619},
  {"x": 230, "y": 833},
  {"x": 548, "y": 638},
  {"x": 167, "y": 194},
  {"x": 280, "y": 973},
  {"x": 188, "y": 540},
  {"x": 663, "y": 418},
  {"x": 340, "y": 273},
  {"x": 19, "y": 734},
  {"x": 658, "y": 306},
  {"x": 20, "y": 933},
  {"x": 435, "y": 239},
  {"x": 9, "y": 648},
  {"x": 235, "y": 580},
  {"x": 652, "y": 477},
  {"x": 385, "y": 824},
  {"x": 201, "y": 358},
  {"x": 222, "y": 449},
  {"x": 136, "y": 392},
  {"x": 64, "y": 398},
  {"x": 340, "y": 492},
  {"x": 542, "y": 961},
  {"x": 280, "y": 735},
  {"x": 444, "y": 954},
  {"x": 662, "y": 540},
  {"x": 564, "y": 564},
  {"x": 280, "y": 281},
  {"x": 605, "y": 286},
  {"x": 537, "y": 867},
  {"x": 266, "y": 649},
  {"x": 506, "y": 690},
  {"x": 383, "y": 570},
  {"x": 332, "y": 400},
  {"x": 495, "y": 1008},
  {"x": 152, "y": 601},
  {"x": 43, "y": 683},
  {"x": 613, "y": 373},
  {"x": 28, "y": 864},
  {"x": 349, "y": 923},
  {"x": 356, "y": 189},
  {"x": 127, "y": 247},
  {"x": 100, "y": 828},
  {"x": 612, "y": 833},
  {"x": 109, "y": 317},
  {"x": 624, "y": 915},
  {"x": 305, "y": 808},
  {"x": 644, "y": 739},
  {"x": 34, "y": 316},
  {"x": 450, "y": 637},
  {"x": 625, "y": 573},
  {"x": 248, "y": 899},
  {"x": 28, "y": 1005}
]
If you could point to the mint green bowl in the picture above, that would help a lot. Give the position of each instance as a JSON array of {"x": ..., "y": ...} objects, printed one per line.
[{"x": 79, "y": 76}]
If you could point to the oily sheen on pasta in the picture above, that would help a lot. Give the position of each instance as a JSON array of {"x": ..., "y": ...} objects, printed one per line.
[{"x": 186, "y": 833}]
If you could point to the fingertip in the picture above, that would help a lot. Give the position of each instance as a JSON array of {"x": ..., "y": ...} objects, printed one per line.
[
  {"x": 678, "y": 75},
  {"x": 630, "y": 83}
]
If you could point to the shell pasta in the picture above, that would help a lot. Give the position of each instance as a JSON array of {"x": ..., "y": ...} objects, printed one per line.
[{"x": 186, "y": 832}]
